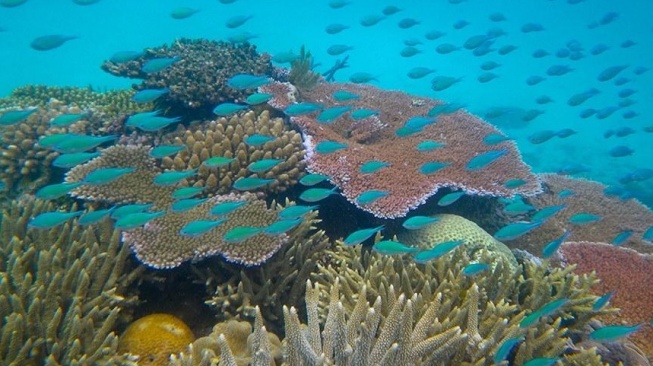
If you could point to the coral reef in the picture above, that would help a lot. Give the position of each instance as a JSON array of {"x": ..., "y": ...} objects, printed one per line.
[
  {"x": 376, "y": 138},
  {"x": 61, "y": 290},
  {"x": 617, "y": 216},
  {"x": 226, "y": 138},
  {"x": 301, "y": 74},
  {"x": 199, "y": 79},
  {"x": 624, "y": 271},
  {"x": 153, "y": 338}
]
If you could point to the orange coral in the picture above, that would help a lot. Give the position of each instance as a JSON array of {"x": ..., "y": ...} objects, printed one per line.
[
  {"x": 374, "y": 138},
  {"x": 624, "y": 270}
]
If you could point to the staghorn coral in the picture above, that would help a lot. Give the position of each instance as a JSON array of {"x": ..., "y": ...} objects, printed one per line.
[
  {"x": 374, "y": 138},
  {"x": 617, "y": 216},
  {"x": 61, "y": 290},
  {"x": 199, "y": 79},
  {"x": 225, "y": 137},
  {"x": 625, "y": 271}
]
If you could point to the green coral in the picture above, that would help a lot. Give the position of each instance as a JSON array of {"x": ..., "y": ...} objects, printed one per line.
[{"x": 301, "y": 72}]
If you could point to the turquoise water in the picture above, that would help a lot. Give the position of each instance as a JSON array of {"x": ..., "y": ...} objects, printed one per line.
[{"x": 115, "y": 25}]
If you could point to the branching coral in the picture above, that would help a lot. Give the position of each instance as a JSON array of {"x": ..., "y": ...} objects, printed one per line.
[{"x": 301, "y": 73}]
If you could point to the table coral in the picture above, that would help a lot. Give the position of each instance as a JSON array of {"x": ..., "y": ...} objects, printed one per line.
[{"x": 375, "y": 138}]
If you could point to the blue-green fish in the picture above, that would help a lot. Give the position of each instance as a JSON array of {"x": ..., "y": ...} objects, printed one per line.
[
  {"x": 173, "y": 177},
  {"x": 505, "y": 348},
  {"x": 390, "y": 247},
  {"x": 363, "y": 113},
  {"x": 186, "y": 192},
  {"x": 158, "y": 64},
  {"x": 418, "y": 222},
  {"x": 258, "y": 140},
  {"x": 450, "y": 198},
  {"x": 218, "y": 161},
  {"x": 85, "y": 2},
  {"x": 372, "y": 166},
  {"x": 622, "y": 237},
  {"x": 264, "y": 165},
  {"x": 125, "y": 56},
  {"x": 249, "y": 183},
  {"x": 546, "y": 310},
  {"x": 67, "y": 119},
  {"x": 106, "y": 175},
  {"x": 156, "y": 123},
  {"x": 247, "y": 81},
  {"x": 331, "y": 114},
  {"x": 93, "y": 217},
  {"x": 419, "y": 72},
  {"x": 361, "y": 235},
  {"x": 417, "y": 123},
  {"x": 162, "y": 151},
  {"x": 429, "y": 145},
  {"x": 583, "y": 218},
  {"x": 602, "y": 301},
  {"x": 51, "y": 219},
  {"x": 473, "y": 269},
  {"x": 335, "y": 28},
  {"x": 50, "y": 41},
  {"x": 226, "y": 109},
  {"x": 71, "y": 160},
  {"x": 369, "y": 196},
  {"x": 241, "y": 233},
  {"x": 312, "y": 179},
  {"x": 54, "y": 191},
  {"x": 482, "y": 160},
  {"x": 282, "y": 226},
  {"x": 440, "y": 83},
  {"x": 294, "y": 212},
  {"x": 514, "y": 231},
  {"x": 495, "y": 139},
  {"x": 13, "y": 117},
  {"x": 241, "y": 37},
  {"x": 546, "y": 212},
  {"x": 437, "y": 251},
  {"x": 338, "y": 49},
  {"x": 136, "y": 219},
  {"x": 149, "y": 95},
  {"x": 316, "y": 194},
  {"x": 553, "y": 245},
  {"x": 125, "y": 210},
  {"x": 614, "y": 332},
  {"x": 299, "y": 109},
  {"x": 518, "y": 207},
  {"x": 81, "y": 143},
  {"x": 285, "y": 57},
  {"x": 237, "y": 21},
  {"x": 225, "y": 208},
  {"x": 12, "y": 3},
  {"x": 446, "y": 108},
  {"x": 183, "y": 12},
  {"x": 566, "y": 193},
  {"x": 186, "y": 204},
  {"x": 328, "y": 147},
  {"x": 361, "y": 77},
  {"x": 541, "y": 361},
  {"x": 648, "y": 234},
  {"x": 344, "y": 96},
  {"x": 51, "y": 140},
  {"x": 258, "y": 98},
  {"x": 514, "y": 183},
  {"x": 199, "y": 227},
  {"x": 135, "y": 119},
  {"x": 432, "y": 167}
]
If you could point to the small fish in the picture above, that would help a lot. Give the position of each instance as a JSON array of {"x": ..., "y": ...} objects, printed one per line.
[
  {"x": 54, "y": 191},
  {"x": 331, "y": 114},
  {"x": 473, "y": 269},
  {"x": 390, "y": 10},
  {"x": 532, "y": 27},
  {"x": 539, "y": 53},
  {"x": 580, "y": 98},
  {"x": 489, "y": 65},
  {"x": 546, "y": 212},
  {"x": 417, "y": 123},
  {"x": 241, "y": 37},
  {"x": 419, "y": 72},
  {"x": 450, "y": 198},
  {"x": 390, "y": 247},
  {"x": 534, "y": 80},
  {"x": 543, "y": 99},
  {"x": 299, "y": 109},
  {"x": 602, "y": 301},
  {"x": 482, "y": 160},
  {"x": 437, "y": 251},
  {"x": 135, "y": 119},
  {"x": 49, "y": 220},
  {"x": 173, "y": 177},
  {"x": 240, "y": 234},
  {"x": 409, "y": 51},
  {"x": 495, "y": 139},
  {"x": 282, "y": 226},
  {"x": 237, "y": 21},
  {"x": 225, "y": 208},
  {"x": 361, "y": 77},
  {"x": 156, "y": 123},
  {"x": 93, "y": 217},
  {"x": 514, "y": 231},
  {"x": 546, "y": 310},
  {"x": 13, "y": 117},
  {"x": 125, "y": 210},
  {"x": 162, "y": 151},
  {"x": 369, "y": 196},
  {"x": 285, "y": 57},
  {"x": 622, "y": 237},
  {"x": 258, "y": 98},
  {"x": 316, "y": 194},
  {"x": 258, "y": 140},
  {"x": 371, "y": 20},
  {"x": 445, "y": 108},
  {"x": 335, "y": 28},
  {"x": 541, "y": 137},
  {"x": 517, "y": 208},
  {"x": 514, "y": 183},
  {"x": 506, "y": 49},
  {"x": 121, "y": 57},
  {"x": 159, "y": 64},
  {"x": 186, "y": 192},
  {"x": 337, "y": 4},
  {"x": 505, "y": 348},
  {"x": 344, "y": 96},
  {"x": 429, "y": 145},
  {"x": 50, "y": 42},
  {"x": 487, "y": 77},
  {"x": 614, "y": 332},
  {"x": 363, "y": 113},
  {"x": 408, "y": 23},
  {"x": 460, "y": 24},
  {"x": 610, "y": 72},
  {"x": 329, "y": 146},
  {"x": 71, "y": 160},
  {"x": 621, "y": 151},
  {"x": 80, "y": 143},
  {"x": 440, "y": 83},
  {"x": 137, "y": 219},
  {"x": 264, "y": 165},
  {"x": 149, "y": 95},
  {"x": 246, "y": 184},
  {"x": 433, "y": 35},
  {"x": 226, "y": 109},
  {"x": 475, "y": 41},
  {"x": 218, "y": 161},
  {"x": 432, "y": 167},
  {"x": 361, "y": 235},
  {"x": 183, "y": 12},
  {"x": 312, "y": 179},
  {"x": 583, "y": 218},
  {"x": 373, "y": 166},
  {"x": 566, "y": 193},
  {"x": 294, "y": 212},
  {"x": 541, "y": 361},
  {"x": 418, "y": 222},
  {"x": 247, "y": 81},
  {"x": 553, "y": 245},
  {"x": 106, "y": 175},
  {"x": 67, "y": 119},
  {"x": 12, "y": 3},
  {"x": 338, "y": 49},
  {"x": 199, "y": 227},
  {"x": 565, "y": 132},
  {"x": 186, "y": 204}
]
